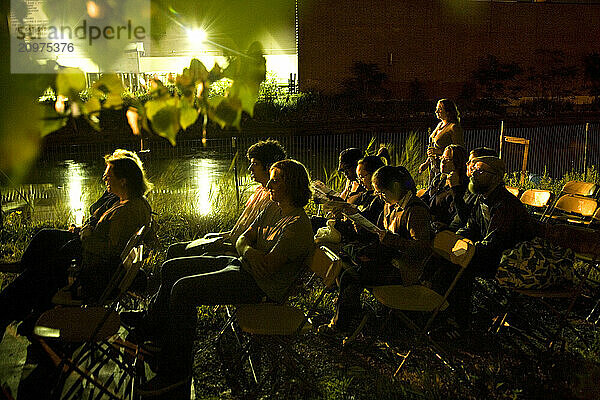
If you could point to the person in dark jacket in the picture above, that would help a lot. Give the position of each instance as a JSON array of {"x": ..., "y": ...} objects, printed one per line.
[
  {"x": 497, "y": 222},
  {"x": 446, "y": 194}
]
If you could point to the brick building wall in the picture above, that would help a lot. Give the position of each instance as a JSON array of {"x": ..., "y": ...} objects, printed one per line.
[{"x": 437, "y": 42}]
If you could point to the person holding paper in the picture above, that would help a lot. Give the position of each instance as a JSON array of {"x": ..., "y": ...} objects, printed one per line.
[
  {"x": 366, "y": 203},
  {"x": 261, "y": 156},
  {"x": 347, "y": 166},
  {"x": 399, "y": 256}
]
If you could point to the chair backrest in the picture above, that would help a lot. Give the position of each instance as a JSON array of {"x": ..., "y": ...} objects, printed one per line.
[
  {"x": 326, "y": 265},
  {"x": 131, "y": 261},
  {"x": 536, "y": 198},
  {"x": 513, "y": 190},
  {"x": 595, "y": 218},
  {"x": 580, "y": 188},
  {"x": 583, "y": 206},
  {"x": 454, "y": 248},
  {"x": 134, "y": 241}
]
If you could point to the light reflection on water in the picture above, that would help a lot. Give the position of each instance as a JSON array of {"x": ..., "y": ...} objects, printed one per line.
[
  {"x": 204, "y": 178},
  {"x": 75, "y": 176},
  {"x": 65, "y": 190}
]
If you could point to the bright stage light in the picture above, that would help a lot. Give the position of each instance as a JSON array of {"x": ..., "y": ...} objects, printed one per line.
[{"x": 197, "y": 35}]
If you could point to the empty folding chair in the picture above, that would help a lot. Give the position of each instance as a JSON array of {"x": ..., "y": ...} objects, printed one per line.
[
  {"x": 572, "y": 209},
  {"x": 537, "y": 200},
  {"x": 578, "y": 188},
  {"x": 513, "y": 190},
  {"x": 87, "y": 330}
]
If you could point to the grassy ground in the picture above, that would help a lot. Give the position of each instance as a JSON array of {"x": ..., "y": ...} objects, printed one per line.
[{"x": 481, "y": 365}]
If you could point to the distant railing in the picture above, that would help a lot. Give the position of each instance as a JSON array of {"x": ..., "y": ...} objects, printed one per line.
[{"x": 555, "y": 149}]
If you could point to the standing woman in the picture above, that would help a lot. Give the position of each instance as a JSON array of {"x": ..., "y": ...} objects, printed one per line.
[{"x": 447, "y": 132}]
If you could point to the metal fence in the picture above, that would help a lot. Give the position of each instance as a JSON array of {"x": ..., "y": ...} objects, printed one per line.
[{"x": 553, "y": 149}]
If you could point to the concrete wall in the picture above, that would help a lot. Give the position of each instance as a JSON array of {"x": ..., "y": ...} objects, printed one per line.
[{"x": 437, "y": 42}]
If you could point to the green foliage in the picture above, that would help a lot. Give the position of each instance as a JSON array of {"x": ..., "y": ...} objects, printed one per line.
[
  {"x": 410, "y": 157},
  {"x": 545, "y": 182},
  {"x": 168, "y": 110}
]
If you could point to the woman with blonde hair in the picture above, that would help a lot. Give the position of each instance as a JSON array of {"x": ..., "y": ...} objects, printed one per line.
[
  {"x": 448, "y": 131},
  {"x": 47, "y": 263}
]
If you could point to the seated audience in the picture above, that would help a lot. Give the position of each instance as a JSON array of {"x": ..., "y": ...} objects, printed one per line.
[
  {"x": 261, "y": 156},
  {"x": 347, "y": 166},
  {"x": 272, "y": 252},
  {"x": 460, "y": 219},
  {"x": 47, "y": 262},
  {"x": 498, "y": 222},
  {"x": 400, "y": 254},
  {"x": 446, "y": 194}
]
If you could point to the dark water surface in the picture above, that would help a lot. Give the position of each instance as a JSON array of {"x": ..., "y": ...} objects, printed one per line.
[{"x": 65, "y": 189}]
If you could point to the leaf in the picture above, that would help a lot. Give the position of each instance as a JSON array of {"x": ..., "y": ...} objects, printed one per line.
[
  {"x": 112, "y": 87},
  {"x": 153, "y": 106},
  {"x": 187, "y": 114},
  {"x": 197, "y": 71},
  {"x": 247, "y": 95},
  {"x": 164, "y": 115},
  {"x": 166, "y": 122},
  {"x": 215, "y": 74},
  {"x": 51, "y": 121},
  {"x": 92, "y": 106},
  {"x": 69, "y": 82},
  {"x": 227, "y": 113}
]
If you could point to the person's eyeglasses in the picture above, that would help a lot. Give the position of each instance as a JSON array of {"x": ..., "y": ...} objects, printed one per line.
[
  {"x": 480, "y": 172},
  {"x": 446, "y": 159}
]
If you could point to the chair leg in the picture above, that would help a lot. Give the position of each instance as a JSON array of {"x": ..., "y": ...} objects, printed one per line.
[
  {"x": 594, "y": 315},
  {"x": 350, "y": 339}
]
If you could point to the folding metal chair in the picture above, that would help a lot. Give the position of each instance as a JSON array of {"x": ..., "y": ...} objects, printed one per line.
[
  {"x": 572, "y": 209},
  {"x": 586, "y": 245},
  {"x": 595, "y": 220},
  {"x": 273, "y": 327},
  {"x": 513, "y": 190},
  {"x": 398, "y": 298},
  {"x": 87, "y": 330},
  {"x": 577, "y": 188},
  {"x": 537, "y": 200}
]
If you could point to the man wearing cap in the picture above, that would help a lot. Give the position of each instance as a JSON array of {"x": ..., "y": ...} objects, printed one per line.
[{"x": 498, "y": 222}]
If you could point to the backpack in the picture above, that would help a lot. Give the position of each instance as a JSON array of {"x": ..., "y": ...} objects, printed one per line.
[{"x": 536, "y": 264}]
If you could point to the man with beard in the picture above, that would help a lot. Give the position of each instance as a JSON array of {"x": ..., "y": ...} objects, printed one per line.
[{"x": 497, "y": 222}]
